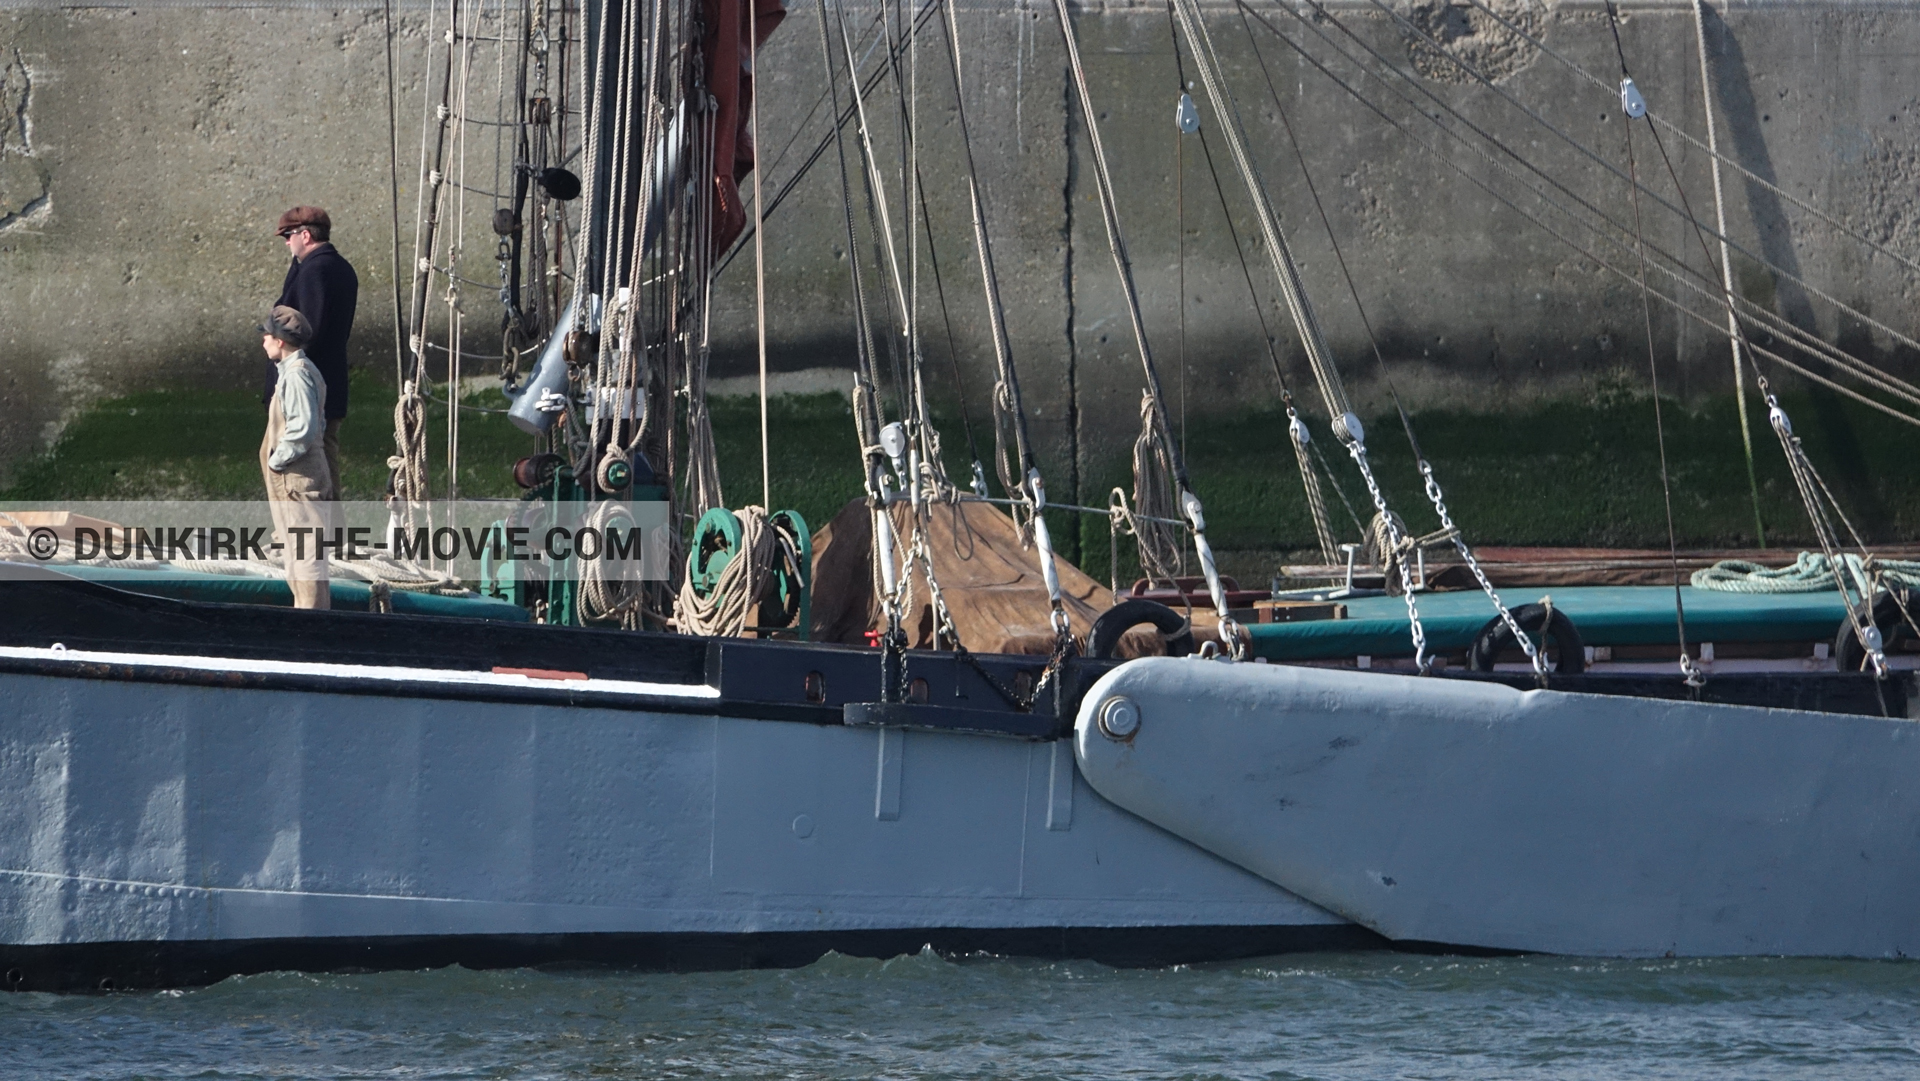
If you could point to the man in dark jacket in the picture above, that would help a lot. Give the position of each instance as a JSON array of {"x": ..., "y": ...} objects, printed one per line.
[{"x": 322, "y": 286}]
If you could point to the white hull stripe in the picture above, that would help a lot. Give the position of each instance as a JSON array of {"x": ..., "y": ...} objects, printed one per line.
[{"x": 361, "y": 672}]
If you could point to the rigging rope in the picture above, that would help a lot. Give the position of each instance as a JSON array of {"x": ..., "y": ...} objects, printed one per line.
[
  {"x": 876, "y": 190},
  {"x": 880, "y": 235},
  {"x": 759, "y": 256},
  {"x": 1154, "y": 454},
  {"x": 866, "y": 412},
  {"x": 1598, "y": 260},
  {"x": 930, "y": 470},
  {"x": 393, "y": 201},
  {"x": 1300, "y": 440},
  {"x": 1751, "y": 176},
  {"x": 608, "y": 588},
  {"x": 1162, "y": 555},
  {"x": 841, "y": 120},
  {"x": 410, "y": 478},
  {"x": 1726, "y": 266},
  {"x": 736, "y": 593},
  {"x": 1810, "y": 572},
  {"x": 1346, "y": 425},
  {"x": 1814, "y": 493},
  {"x": 1632, "y": 106},
  {"x": 1408, "y": 577},
  {"x": 1860, "y": 369},
  {"x": 1010, "y": 415}
]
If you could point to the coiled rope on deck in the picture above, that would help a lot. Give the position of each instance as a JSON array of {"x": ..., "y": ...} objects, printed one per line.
[{"x": 1810, "y": 572}]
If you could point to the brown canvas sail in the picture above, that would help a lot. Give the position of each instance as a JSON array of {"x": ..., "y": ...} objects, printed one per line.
[{"x": 991, "y": 584}]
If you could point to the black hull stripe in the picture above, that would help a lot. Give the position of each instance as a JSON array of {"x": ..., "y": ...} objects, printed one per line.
[{"x": 128, "y": 966}]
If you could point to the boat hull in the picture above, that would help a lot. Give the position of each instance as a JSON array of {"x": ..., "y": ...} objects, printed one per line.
[{"x": 158, "y": 831}]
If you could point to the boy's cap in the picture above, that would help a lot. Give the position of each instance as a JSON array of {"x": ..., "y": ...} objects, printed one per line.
[
  {"x": 301, "y": 217},
  {"x": 288, "y": 325}
]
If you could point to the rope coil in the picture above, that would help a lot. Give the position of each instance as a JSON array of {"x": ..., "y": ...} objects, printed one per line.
[{"x": 726, "y": 610}]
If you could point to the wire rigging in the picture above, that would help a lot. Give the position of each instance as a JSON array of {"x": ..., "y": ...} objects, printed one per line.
[
  {"x": 1726, "y": 266},
  {"x": 1536, "y": 655},
  {"x": 1812, "y": 346},
  {"x": 1630, "y": 101},
  {"x": 1806, "y": 342},
  {"x": 1306, "y": 453},
  {"x": 1863, "y": 575},
  {"x": 1772, "y": 188},
  {"x": 1346, "y": 425},
  {"x": 1840, "y": 358}
]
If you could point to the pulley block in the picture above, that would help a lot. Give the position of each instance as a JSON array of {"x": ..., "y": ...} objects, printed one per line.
[
  {"x": 716, "y": 540},
  {"x": 615, "y": 474}
]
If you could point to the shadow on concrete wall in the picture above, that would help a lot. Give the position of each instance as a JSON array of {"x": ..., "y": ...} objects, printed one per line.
[{"x": 1745, "y": 123}]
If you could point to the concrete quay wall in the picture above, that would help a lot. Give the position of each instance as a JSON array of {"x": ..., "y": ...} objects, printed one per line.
[{"x": 145, "y": 150}]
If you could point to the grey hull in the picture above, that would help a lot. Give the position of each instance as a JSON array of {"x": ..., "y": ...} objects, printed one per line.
[
  {"x": 160, "y": 812},
  {"x": 1472, "y": 814}
]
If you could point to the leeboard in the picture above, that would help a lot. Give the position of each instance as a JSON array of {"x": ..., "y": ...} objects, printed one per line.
[{"x": 1473, "y": 814}]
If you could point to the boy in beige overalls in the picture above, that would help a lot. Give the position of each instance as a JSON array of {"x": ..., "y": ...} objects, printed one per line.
[{"x": 292, "y": 459}]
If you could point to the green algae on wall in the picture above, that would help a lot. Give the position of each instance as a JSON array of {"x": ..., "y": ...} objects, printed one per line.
[{"x": 1571, "y": 472}]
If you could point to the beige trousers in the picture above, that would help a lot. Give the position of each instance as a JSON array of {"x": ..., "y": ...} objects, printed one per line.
[{"x": 297, "y": 497}]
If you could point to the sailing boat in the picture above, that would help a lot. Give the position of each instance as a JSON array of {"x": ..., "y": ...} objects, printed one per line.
[
  {"x": 197, "y": 789},
  {"x": 200, "y": 789}
]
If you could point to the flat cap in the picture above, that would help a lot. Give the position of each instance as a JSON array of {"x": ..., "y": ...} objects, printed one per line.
[
  {"x": 288, "y": 325},
  {"x": 303, "y": 217}
]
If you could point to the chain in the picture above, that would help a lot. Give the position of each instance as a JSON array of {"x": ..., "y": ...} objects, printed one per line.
[
  {"x": 1536, "y": 657},
  {"x": 1013, "y": 698},
  {"x": 1063, "y": 647},
  {"x": 942, "y": 615},
  {"x": 1358, "y": 451}
]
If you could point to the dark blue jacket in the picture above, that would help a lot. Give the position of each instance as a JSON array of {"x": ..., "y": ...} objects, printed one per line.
[{"x": 324, "y": 288}]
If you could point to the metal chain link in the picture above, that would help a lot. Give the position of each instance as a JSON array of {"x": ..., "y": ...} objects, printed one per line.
[
  {"x": 1358, "y": 451},
  {"x": 1536, "y": 657},
  {"x": 942, "y": 615}
]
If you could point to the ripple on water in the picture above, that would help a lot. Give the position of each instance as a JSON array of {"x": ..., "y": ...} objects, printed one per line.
[{"x": 1362, "y": 1015}]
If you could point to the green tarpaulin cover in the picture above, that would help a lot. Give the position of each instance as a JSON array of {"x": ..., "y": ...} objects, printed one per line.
[
  {"x": 234, "y": 589},
  {"x": 1604, "y": 615}
]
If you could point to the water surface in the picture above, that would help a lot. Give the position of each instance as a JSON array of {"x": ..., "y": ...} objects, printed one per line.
[{"x": 1364, "y": 1015}]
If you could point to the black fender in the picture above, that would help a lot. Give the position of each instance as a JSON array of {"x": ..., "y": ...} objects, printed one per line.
[
  {"x": 1123, "y": 617},
  {"x": 1496, "y": 637}
]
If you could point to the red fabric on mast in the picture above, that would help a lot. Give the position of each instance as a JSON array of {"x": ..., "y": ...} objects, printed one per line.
[{"x": 730, "y": 81}]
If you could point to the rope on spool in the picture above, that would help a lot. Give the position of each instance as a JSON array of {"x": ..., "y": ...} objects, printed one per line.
[
  {"x": 736, "y": 563},
  {"x": 610, "y": 589}
]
